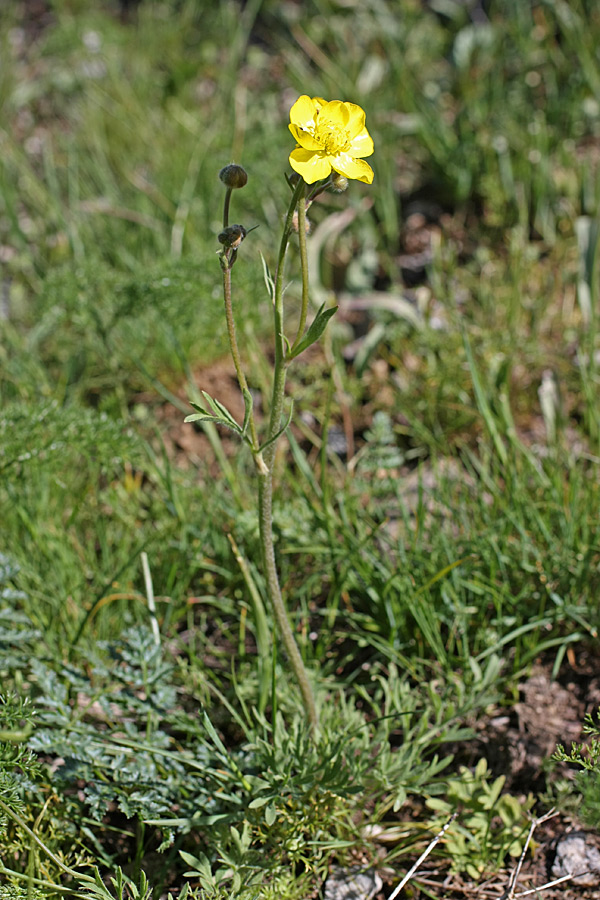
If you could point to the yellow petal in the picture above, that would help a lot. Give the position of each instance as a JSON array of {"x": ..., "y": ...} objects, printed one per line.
[
  {"x": 311, "y": 166},
  {"x": 356, "y": 119},
  {"x": 335, "y": 112},
  {"x": 303, "y": 113},
  {"x": 352, "y": 168},
  {"x": 305, "y": 139},
  {"x": 319, "y": 102},
  {"x": 362, "y": 145}
]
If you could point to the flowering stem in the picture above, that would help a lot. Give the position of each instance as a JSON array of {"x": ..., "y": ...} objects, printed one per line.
[
  {"x": 227, "y": 259},
  {"x": 303, "y": 264},
  {"x": 265, "y": 493},
  {"x": 226, "y": 207},
  {"x": 265, "y": 484},
  {"x": 320, "y": 187},
  {"x": 280, "y": 366}
]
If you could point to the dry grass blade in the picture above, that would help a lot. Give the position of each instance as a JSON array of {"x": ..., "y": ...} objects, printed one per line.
[
  {"x": 423, "y": 857},
  {"x": 150, "y": 597},
  {"x": 510, "y": 891},
  {"x": 549, "y": 884}
]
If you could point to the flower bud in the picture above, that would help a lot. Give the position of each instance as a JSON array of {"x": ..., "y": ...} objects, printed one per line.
[
  {"x": 296, "y": 225},
  {"x": 233, "y": 176},
  {"x": 339, "y": 183},
  {"x": 232, "y": 236}
]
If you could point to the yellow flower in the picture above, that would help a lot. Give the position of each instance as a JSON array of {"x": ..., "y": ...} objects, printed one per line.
[{"x": 330, "y": 136}]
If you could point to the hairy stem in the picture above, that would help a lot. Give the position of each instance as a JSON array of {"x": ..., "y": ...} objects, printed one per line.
[
  {"x": 226, "y": 207},
  {"x": 279, "y": 369},
  {"x": 265, "y": 484},
  {"x": 226, "y": 263},
  {"x": 265, "y": 494},
  {"x": 303, "y": 265}
]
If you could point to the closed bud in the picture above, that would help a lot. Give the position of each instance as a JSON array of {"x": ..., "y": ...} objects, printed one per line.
[
  {"x": 232, "y": 236},
  {"x": 339, "y": 183},
  {"x": 233, "y": 176}
]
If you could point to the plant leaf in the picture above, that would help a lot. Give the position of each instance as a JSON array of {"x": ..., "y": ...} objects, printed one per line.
[
  {"x": 268, "y": 278},
  {"x": 214, "y": 411},
  {"x": 281, "y": 430},
  {"x": 248, "y": 403},
  {"x": 270, "y": 814},
  {"x": 315, "y": 330}
]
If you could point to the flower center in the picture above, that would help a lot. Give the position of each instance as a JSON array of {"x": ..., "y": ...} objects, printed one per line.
[{"x": 332, "y": 138}]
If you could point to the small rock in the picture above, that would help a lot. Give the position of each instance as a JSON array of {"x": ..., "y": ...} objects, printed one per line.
[
  {"x": 574, "y": 853},
  {"x": 351, "y": 884}
]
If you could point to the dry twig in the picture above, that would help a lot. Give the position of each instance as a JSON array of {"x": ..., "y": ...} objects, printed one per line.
[
  {"x": 549, "y": 884},
  {"x": 422, "y": 857},
  {"x": 510, "y": 894},
  {"x": 512, "y": 882}
]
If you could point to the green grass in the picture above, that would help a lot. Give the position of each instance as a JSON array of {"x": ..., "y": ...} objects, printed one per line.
[{"x": 425, "y": 575}]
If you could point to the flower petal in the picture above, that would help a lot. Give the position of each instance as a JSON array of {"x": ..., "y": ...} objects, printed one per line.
[
  {"x": 305, "y": 139},
  {"x": 352, "y": 168},
  {"x": 356, "y": 119},
  {"x": 311, "y": 166},
  {"x": 303, "y": 113},
  {"x": 361, "y": 145},
  {"x": 335, "y": 112}
]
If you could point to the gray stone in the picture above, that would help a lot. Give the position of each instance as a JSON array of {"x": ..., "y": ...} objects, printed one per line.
[
  {"x": 351, "y": 884},
  {"x": 575, "y": 853}
]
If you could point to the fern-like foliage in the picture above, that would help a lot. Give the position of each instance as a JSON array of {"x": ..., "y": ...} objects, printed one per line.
[
  {"x": 586, "y": 756},
  {"x": 51, "y": 435},
  {"x": 19, "y": 766}
]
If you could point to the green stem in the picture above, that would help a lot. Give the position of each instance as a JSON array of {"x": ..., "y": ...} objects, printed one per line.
[
  {"x": 228, "y": 193},
  {"x": 233, "y": 344},
  {"x": 38, "y": 882},
  {"x": 279, "y": 371},
  {"x": 261, "y": 623},
  {"x": 303, "y": 266},
  {"x": 265, "y": 496},
  {"x": 19, "y": 821},
  {"x": 265, "y": 484}
]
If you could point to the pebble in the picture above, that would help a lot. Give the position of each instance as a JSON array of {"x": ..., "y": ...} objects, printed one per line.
[
  {"x": 575, "y": 853},
  {"x": 351, "y": 884}
]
